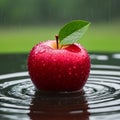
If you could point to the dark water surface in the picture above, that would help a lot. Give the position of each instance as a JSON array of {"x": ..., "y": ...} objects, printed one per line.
[{"x": 100, "y": 98}]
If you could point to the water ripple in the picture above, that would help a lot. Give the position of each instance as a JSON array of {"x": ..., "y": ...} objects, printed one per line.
[{"x": 100, "y": 97}]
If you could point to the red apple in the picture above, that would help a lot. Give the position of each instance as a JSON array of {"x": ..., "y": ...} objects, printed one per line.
[{"x": 58, "y": 68}]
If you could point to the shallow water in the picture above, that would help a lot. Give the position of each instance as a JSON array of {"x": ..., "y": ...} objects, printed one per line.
[{"x": 100, "y": 98}]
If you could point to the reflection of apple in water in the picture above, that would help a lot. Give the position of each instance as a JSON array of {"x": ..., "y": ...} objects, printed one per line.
[
  {"x": 57, "y": 67},
  {"x": 55, "y": 106}
]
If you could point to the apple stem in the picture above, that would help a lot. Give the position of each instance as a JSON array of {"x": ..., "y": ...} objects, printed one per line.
[{"x": 56, "y": 36}]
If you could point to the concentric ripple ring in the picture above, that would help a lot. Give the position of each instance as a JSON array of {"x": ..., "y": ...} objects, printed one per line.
[{"x": 102, "y": 93}]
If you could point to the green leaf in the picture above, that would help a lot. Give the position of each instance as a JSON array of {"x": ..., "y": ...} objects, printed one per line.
[{"x": 73, "y": 31}]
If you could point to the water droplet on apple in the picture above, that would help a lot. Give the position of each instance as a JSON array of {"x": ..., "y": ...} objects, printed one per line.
[
  {"x": 43, "y": 64},
  {"x": 68, "y": 59},
  {"x": 69, "y": 68},
  {"x": 39, "y": 50},
  {"x": 59, "y": 76},
  {"x": 70, "y": 73},
  {"x": 76, "y": 74},
  {"x": 74, "y": 67},
  {"x": 54, "y": 60}
]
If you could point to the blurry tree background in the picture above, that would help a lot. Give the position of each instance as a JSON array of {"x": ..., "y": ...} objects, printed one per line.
[
  {"x": 24, "y": 23},
  {"x": 27, "y": 12}
]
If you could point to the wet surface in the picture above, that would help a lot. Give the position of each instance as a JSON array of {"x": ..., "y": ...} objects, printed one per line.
[{"x": 100, "y": 98}]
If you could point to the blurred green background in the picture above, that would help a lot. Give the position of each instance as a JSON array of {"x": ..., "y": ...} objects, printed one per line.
[{"x": 24, "y": 23}]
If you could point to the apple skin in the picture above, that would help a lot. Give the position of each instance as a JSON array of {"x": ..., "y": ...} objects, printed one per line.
[{"x": 64, "y": 69}]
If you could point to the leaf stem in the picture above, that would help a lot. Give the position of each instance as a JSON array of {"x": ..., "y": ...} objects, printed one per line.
[{"x": 56, "y": 36}]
